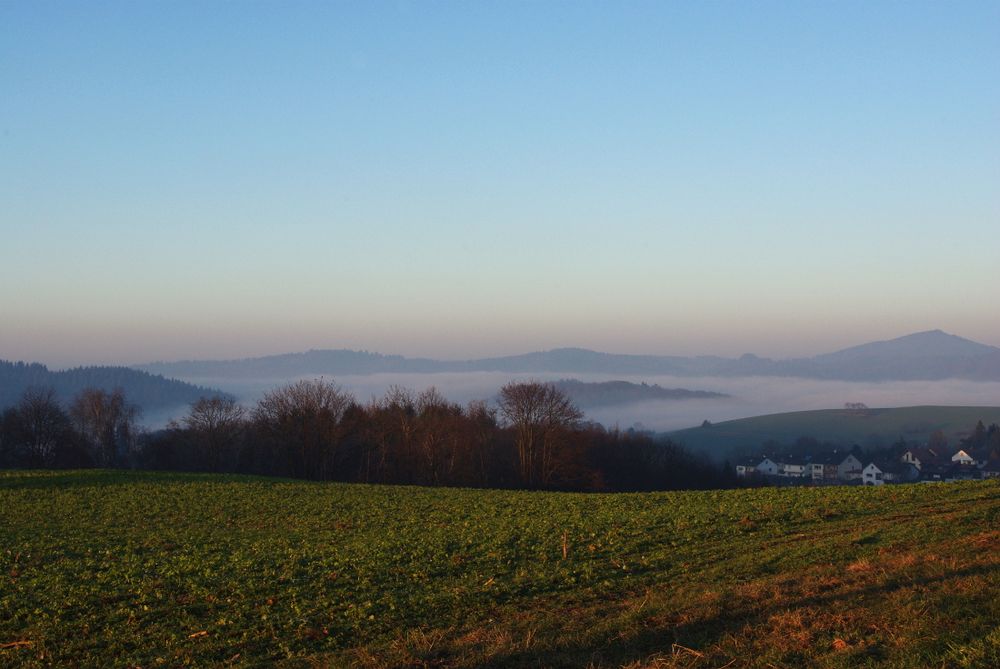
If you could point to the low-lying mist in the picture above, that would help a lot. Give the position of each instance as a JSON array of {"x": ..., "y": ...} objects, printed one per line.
[{"x": 750, "y": 396}]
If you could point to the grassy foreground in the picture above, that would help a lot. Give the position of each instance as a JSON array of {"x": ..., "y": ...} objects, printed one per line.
[{"x": 142, "y": 569}]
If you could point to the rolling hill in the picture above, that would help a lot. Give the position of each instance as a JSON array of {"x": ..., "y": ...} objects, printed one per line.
[
  {"x": 924, "y": 355},
  {"x": 875, "y": 427}
]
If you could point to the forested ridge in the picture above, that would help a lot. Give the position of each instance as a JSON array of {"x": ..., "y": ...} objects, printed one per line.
[
  {"x": 610, "y": 393},
  {"x": 149, "y": 391}
]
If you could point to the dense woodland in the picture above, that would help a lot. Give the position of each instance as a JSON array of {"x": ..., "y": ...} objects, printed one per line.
[{"x": 534, "y": 437}]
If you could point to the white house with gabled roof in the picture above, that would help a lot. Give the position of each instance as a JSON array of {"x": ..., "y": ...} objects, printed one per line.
[
  {"x": 920, "y": 456},
  {"x": 850, "y": 468},
  {"x": 873, "y": 474},
  {"x": 769, "y": 467},
  {"x": 962, "y": 457},
  {"x": 878, "y": 473}
]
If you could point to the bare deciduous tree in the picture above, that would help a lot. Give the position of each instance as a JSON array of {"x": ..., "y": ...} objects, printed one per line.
[
  {"x": 304, "y": 420},
  {"x": 439, "y": 431},
  {"x": 539, "y": 413},
  {"x": 41, "y": 426},
  {"x": 107, "y": 422},
  {"x": 393, "y": 429},
  {"x": 482, "y": 419},
  {"x": 216, "y": 423}
]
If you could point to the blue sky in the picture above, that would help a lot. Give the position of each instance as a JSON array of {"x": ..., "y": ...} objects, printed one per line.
[{"x": 453, "y": 179}]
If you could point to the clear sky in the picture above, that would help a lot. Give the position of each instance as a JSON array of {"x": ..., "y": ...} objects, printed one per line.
[{"x": 224, "y": 179}]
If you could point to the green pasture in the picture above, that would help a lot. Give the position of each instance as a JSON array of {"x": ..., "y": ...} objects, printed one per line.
[{"x": 108, "y": 568}]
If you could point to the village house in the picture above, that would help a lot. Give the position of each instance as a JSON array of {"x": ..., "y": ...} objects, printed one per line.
[
  {"x": 873, "y": 474},
  {"x": 825, "y": 467},
  {"x": 747, "y": 467},
  {"x": 928, "y": 464},
  {"x": 769, "y": 467},
  {"x": 933, "y": 464},
  {"x": 850, "y": 469},
  {"x": 963, "y": 458},
  {"x": 794, "y": 466},
  {"x": 921, "y": 456},
  {"x": 938, "y": 464},
  {"x": 882, "y": 472}
]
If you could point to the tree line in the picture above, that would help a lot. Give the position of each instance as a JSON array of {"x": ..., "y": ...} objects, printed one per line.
[{"x": 533, "y": 437}]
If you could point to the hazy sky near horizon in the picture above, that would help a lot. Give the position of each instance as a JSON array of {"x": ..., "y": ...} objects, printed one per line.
[{"x": 225, "y": 179}]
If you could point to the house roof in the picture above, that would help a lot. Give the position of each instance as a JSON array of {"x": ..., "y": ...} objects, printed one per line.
[
  {"x": 928, "y": 455},
  {"x": 830, "y": 458},
  {"x": 890, "y": 466}
]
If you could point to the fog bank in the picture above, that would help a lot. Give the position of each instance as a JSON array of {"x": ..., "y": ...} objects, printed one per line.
[{"x": 750, "y": 396}]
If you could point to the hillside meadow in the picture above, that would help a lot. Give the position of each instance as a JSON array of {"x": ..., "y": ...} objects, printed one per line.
[
  {"x": 875, "y": 427},
  {"x": 111, "y": 568}
]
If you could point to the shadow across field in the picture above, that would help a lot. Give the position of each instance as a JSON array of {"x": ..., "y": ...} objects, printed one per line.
[
  {"x": 754, "y": 622},
  {"x": 901, "y": 609}
]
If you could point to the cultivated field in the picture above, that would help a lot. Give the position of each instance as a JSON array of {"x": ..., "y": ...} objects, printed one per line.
[{"x": 139, "y": 569}]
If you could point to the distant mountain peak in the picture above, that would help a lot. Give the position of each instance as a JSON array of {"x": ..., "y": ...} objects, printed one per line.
[
  {"x": 926, "y": 344},
  {"x": 930, "y": 334},
  {"x": 568, "y": 350}
]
